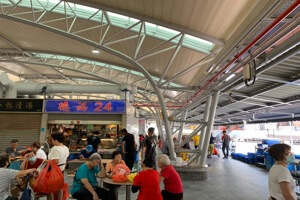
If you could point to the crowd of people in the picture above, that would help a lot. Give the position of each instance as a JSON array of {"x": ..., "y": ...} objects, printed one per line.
[
  {"x": 85, "y": 185},
  {"x": 33, "y": 158}
]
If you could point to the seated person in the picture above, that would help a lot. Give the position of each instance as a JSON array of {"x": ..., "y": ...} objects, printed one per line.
[
  {"x": 173, "y": 184},
  {"x": 85, "y": 185},
  {"x": 7, "y": 175},
  {"x": 147, "y": 181},
  {"x": 117, "y": 159},
  {"x": 36, "y": 148},
  {"x": 31, "y": 161},
  {"x": 14, "y": 149},
  {"x": 87, "y": 152}
]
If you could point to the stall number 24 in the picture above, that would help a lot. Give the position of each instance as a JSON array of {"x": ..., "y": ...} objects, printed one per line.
[{"x": 99, "y": 107}]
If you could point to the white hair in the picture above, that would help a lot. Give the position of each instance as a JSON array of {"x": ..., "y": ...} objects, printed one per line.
[
  {"x": 95, "y": 156},
  {"x": 164, "y": 160}
]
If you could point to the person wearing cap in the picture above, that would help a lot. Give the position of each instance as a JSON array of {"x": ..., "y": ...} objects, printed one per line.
[{"x": 87, "y": 152}]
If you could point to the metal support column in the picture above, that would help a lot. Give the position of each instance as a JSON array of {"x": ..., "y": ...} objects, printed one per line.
[
  {"x": 209, "y": 128},
  {"x": 205, "y": 118},
  {"x": 183, "y": 117},
  {"x": 159, "y": 125}
]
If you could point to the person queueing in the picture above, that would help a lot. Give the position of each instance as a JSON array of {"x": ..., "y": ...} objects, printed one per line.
[
  {"x": 128, "y": 148},
  {"x": 87, "y": 152},
  {"x": 36, "y": 148},
  {"x": 281, "y": 183},
  {"x": 147, "y": 182},
  {"x": 94, "y": 140},
  {"x": 172, "y": 181},
  {"x": 225, "y": 145},
  {"x": 150, "y": 145},
  {"x": 117, "y": 160},
  {"x": 14, "y": 149},
  {"x": 196, "y": 139},
  {"x": 85, "y": 184},
  {"x": 7, "y": 175},
  {"x": 59, "y": 153},
  {"x": 211, "y": 146}
]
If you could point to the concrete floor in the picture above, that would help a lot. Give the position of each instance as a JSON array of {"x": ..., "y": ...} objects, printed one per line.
[{"x": 228, "y": 180}]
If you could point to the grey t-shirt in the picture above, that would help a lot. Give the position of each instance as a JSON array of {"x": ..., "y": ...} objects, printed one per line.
[
  {"x": 9, "y": 151},
  {"x": 6, "y": 176}
]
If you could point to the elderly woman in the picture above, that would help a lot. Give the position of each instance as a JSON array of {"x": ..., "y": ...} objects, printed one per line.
[
  {"x": 85, "y": 185},
  {"x": 281, "y": 183},
  {"x": 173, "y": 185},
  {"x": 117, "y": 159}
]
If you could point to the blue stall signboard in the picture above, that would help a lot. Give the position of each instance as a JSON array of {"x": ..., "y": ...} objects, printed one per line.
[{"x": 72, "y": 106}]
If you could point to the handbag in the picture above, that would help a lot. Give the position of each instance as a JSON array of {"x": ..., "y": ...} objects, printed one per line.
[{"x": 28, "y": 193}]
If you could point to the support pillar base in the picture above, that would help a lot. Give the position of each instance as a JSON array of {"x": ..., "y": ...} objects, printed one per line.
[{"x": 193, "y": 172}]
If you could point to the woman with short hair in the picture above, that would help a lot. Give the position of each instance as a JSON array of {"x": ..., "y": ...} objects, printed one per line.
[
  {"x": 281, "y": 183},
  {"x": 172, "y": 181}
]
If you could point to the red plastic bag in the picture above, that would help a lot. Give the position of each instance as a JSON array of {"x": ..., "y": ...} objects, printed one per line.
[
  {"x": 118, "y": 178},
  {"x": 121, "y": 169},
  {"x": 50, "y": 179}
]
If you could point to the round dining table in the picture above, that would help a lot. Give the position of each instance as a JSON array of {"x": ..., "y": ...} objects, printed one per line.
[{"x": 128, "y": 185}]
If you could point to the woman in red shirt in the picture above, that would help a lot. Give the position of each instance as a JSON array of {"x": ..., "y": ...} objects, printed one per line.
[
  {"x": 147, "y": 182},
  {"x": 172, "y": 181}
]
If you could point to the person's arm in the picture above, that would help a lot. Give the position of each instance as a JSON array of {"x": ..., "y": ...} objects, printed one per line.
[
  {"x": 161, "y": 178},
  {"x": 134, "y": 188},
  {"x": 286, "y": 191},
  {"x": 25, "y": 172},
  {"x": 22, "y": 167},
  {"x": 123, "y": 147},
  {"x": 54, "y": 155},
  {"x": 102, "y": 173},
  {"x": 90, "y": 188}
]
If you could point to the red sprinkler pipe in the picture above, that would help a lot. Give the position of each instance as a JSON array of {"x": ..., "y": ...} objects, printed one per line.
[{"x": 257, "y": 38}]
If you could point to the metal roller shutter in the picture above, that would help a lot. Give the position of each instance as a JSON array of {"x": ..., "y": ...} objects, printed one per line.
[{"x": 24, "y": 127}]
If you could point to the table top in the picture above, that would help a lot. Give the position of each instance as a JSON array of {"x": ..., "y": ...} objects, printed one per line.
[
  {"x": 110, "y": 181},
  {"x": 104, "y": 161}
]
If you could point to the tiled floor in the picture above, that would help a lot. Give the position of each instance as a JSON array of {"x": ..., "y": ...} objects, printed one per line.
[{"x": 228, "y": 180}]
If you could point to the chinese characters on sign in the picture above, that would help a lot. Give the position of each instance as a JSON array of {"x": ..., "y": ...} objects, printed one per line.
[
  {"x": 69, "y": 106},
  {"x": 21, "y": 105}
]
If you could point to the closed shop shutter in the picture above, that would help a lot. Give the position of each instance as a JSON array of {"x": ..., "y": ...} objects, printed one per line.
[{"x": 23, "y": 127}]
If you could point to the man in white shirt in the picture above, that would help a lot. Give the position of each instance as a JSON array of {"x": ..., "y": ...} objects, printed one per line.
[
  {"x": 36, "y": 148},
  {"x": 59, "y": 153}
]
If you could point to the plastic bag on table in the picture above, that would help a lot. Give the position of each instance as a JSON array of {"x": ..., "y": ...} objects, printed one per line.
[
  {"x": 50, "y": 179},
  {"x": 121, "y": 169},
  {"x": 118, "y": 178}
]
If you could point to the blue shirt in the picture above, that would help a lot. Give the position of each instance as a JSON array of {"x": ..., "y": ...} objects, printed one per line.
[
  {"x": 87, "y": 154},
  {"x": 84, "y": 172}
]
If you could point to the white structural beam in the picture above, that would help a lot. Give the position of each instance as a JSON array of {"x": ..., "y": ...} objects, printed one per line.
[
  {"x": 152, "y": 20},
  {"x": 120, "y": 55}
]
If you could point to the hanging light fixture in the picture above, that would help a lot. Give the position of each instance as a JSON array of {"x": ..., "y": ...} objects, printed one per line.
[{"x": 96, "y": 51}]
